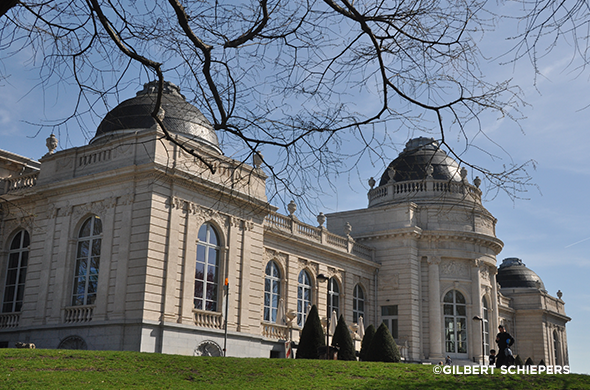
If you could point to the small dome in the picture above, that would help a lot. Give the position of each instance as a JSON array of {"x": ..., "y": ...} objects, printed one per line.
[
  {"x": 413, "y": 162},
  {"x": 513, "y": 273},
  {"x": 180, "y": 117}
]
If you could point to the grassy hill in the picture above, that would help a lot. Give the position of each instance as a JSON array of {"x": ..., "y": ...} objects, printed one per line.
[{"x": 63, "y": 369}]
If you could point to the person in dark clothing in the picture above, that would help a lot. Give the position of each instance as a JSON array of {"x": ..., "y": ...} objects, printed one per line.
[
  {"x": 492, "y": 357},
  {"x": 504, "y": 341}
]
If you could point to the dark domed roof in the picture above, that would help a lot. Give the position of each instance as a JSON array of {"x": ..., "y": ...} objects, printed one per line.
[
  {"x": 512, "y": 273},
  {"x": 413, "y": 162},
  {"x": 180, "y": 117}
]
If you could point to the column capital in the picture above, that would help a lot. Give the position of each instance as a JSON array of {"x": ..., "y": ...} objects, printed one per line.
[{"x": 433, "y": 260}]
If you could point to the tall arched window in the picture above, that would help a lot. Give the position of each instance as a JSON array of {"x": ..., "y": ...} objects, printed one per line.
[
  {"x": 486, "y": 325},
  {"x": 358, "y": 303},
  {"x": 303, "y": 297},
  {"x": 207, "y": 269},
  {"x": 333, "y": 297},
  {"x": 556, "y": 348},
  {"x": 272, "y": 291},
  {"x": 455, "y": 322},
  {"x": 87, "y": 262},
  {"x": 16, "y": 272}
]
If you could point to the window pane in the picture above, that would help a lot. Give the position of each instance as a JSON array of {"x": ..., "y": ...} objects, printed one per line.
[
  {"x": 266, "y": 314},
  {"x": 21, "y": 275},
  {"x": 83, "y": 247},
  {"x": 199, "y": 304},
  {"x": 200, "y": 271},
  {"x": 276, "y": 287},
  {"x": 80, "y": 267},
  {"x": 213, "y": 236},
  {"x": 85, "y": 230},
  {"x": 201, "y": 250},
  {"x": 211, "y": 292},
  {"x": 13, "y": 260},
  {"x": 96, "y": 247},
  {"x": 9, "y": 293},
  {"x": 24, "y": 259},
  {"x": 461, "y": 310},
  {"x": 199, "y": 289},
  {"x": 212, "y": 274},
  {"x": 448, "y": 297},
  {"x": 94, "y": 265},
  {"x": 202, "y": 236},
  {"x": 26, "y": 239},
  {"x": 16, "y": 241},
  {"x": 212, "y": 256},
  {"x": 11, "y": 277},
  {"x": 448, "y": 310},
  {"x": 460, "y": 297},
  {"x": 97, "y": 226}
]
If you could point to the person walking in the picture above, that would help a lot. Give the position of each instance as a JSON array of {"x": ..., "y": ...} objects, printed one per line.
[{"x": 504, "y": 341}]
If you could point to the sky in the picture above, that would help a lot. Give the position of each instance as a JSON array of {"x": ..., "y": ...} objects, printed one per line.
[{"x": 549, "y": 229}]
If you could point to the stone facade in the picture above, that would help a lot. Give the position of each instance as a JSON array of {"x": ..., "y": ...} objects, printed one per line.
[{"x": 421, "y": 257}]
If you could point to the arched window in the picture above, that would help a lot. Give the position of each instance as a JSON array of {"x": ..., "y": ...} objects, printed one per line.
[
  {"x": 486, "y": 325},
  {"x": 333, "y": 297},
  {"x": 272, "y": 291},
  {"x": 303, "y": 297},
  {"x": 16, "y": 272},
  {"x": 455, "y": 322},
  {"x": 358, "y": 303},
  {"x": 87, "y": 262},
  {"x": 556, "y": 348},
  {"x": 207, "y": 269}
]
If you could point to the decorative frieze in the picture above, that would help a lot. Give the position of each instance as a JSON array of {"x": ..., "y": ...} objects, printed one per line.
[{"x": 455, "y": 268}]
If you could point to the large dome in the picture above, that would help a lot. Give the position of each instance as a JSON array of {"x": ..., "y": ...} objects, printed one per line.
[
  {"x": 180, "y": 117},
  {"x": 513, "y": 273},
  {"x": 413, "y": 161}
]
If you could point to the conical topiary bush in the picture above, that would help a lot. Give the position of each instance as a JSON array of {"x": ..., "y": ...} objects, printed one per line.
[
  {"x": 383, "y": 347},
  {"x": 343, "y": 341},
  {"x": 529, "y": 362},
  {"x": 312, "y": 336},
  {"x": 369, "y": 334},
  {"x": 518, "y": 361}
]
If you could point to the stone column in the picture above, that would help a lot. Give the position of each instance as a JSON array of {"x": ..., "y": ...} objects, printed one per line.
[
  {"x": 126, "y": 205},
  {"x": 169, "y": 311},
  {"x": 434, "y": 308},
  {"x": 476, "y": 336},
  {"x": 106, "y": 255}
]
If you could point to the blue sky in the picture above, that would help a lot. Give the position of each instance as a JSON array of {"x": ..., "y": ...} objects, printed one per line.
[{"x": 549, "y": 231}]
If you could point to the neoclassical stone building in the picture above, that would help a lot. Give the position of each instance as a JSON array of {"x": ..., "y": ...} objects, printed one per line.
[{"x": 126, "y": 244}]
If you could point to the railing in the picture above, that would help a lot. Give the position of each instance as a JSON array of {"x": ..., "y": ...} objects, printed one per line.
[
  {"x": 78, "y": 314},
  {"x": 274, "y": 331},
  {"x": 320, "y": 235},
  {"x": 310, "y": 232},
  {"x": 9, "y": 320},
  {"x": 208, "y": 319},
  {"x": 337, "y": 241},
  {"x": 20, "y": 182},
  {"x": 421, "y": 189}
]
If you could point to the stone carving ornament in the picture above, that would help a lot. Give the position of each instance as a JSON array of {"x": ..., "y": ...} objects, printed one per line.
[{"x": 454, "y": 268}]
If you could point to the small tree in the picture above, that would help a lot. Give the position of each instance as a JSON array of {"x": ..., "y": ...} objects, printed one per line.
[
  {"x": 369, "y": 334},
  {"x": 383, "y": 347},
  {"x": 312, "y": 336},
  {"x": 343, "y": 341},
  {"x": 529, "y": 362},
  {"x": 518, "y": 361}
]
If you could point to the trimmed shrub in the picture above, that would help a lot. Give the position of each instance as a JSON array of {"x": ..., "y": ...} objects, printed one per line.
[
  {"x": 518, "y": 361},
  {"x": 343, "y": 341},
  {"x": 542, "y": 363},
  {"x": 383, "y": 347},
  {"x": 312, "y": 336},
  {"x": 367, "y": 338},
  {"x": 529, "y": 362}
]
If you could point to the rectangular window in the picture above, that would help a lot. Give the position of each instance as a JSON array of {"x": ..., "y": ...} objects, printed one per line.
[{"x": 390, "y": 319}]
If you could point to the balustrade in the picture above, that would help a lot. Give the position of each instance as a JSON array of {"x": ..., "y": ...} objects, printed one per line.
[
  {"x": 9, "y": 320},
  {"x": 20, "y": 182},
  {"x": 208, "y": 319},
  {"x": 77, "y": 314},
  {"x": 274, "y": 331}
]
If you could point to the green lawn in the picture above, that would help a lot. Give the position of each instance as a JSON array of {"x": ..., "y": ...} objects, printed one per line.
[{"x": 63, "y": 369}]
